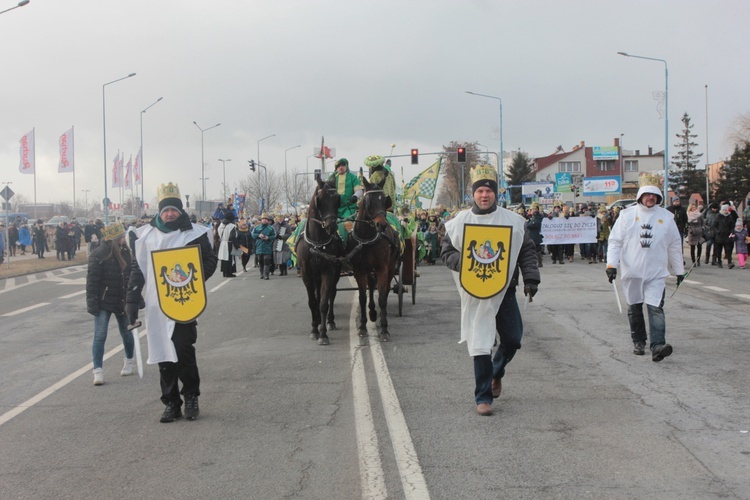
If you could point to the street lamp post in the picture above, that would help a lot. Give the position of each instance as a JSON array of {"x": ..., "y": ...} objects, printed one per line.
[
  {"x": 666, "y": 120},
  {"x": 500, "y": 161},
  {"x": 286, "y": 181},
  {"x": 622, "y": 166},
  {"x": 260, "y": 184},
  {"x": 86, "y": 201},
  {"x": 104, "y": 134},
  {"x": 20, "y": 4},
  {"x": 224, "y": 170},
  {"x": 147, "y": 108},
  {"x": 203, "y": 165}
]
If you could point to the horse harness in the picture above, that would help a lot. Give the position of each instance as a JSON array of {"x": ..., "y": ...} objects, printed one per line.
[{"x": 361, "y": 243}]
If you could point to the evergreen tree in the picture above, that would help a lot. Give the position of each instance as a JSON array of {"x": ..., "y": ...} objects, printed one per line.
[
  {"x": 684, "y": 178},
  {"x": 734, "y": 183},
  {"x": 521, "y": 170}
]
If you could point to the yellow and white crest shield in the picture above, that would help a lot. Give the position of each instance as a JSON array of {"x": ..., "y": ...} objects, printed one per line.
[
  {"x": 484, "y": 259},
  {"x": 179, "y": 282}
]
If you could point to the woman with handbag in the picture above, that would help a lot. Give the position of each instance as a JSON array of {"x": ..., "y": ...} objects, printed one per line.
[{"x": 229, "y": 246}]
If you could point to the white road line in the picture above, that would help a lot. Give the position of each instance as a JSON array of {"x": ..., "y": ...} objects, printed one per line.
[
  {"x": 742, "y": 296},
  {"x": 25, "y": 309},
  {"x": 693, "y": 282},
  {"x": 218, "y": 286},
  {"x": 74, "y": 294},
  {"x": 49, "y": 274},
  {"x": 370, "y": 466},
  {"x": 10, "y": 283},
  {"x": 716, "y": 288},
  {"x": 32, "y": 278},
  {"x": 5, "y": 417}
]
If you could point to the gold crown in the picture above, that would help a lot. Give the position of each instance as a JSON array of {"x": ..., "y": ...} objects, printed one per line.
[
  {"x": 168, "y": 191},
  {"x": 483, "y": 173},
  {"x": 650, "y": 179},
  {"x": 113, "y": 231}
]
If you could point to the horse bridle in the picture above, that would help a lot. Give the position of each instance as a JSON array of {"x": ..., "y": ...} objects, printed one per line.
[{"x": 322, "y": 223}]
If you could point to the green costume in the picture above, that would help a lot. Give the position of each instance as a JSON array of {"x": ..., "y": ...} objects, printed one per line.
[
  {"x": 346, "y": 185},
  {"x": 378, "y": 172}
]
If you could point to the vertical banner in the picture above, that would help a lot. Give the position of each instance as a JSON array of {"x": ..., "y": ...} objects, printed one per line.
[
  {"x": 116, "y": 179},
  {"x": 28, "y": 162},
  {"x": 128, "y": 177},
  {"x": 67, "y": 153},
  {"x": 137, "y": 180}
]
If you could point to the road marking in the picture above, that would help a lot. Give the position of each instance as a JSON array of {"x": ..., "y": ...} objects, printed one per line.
[
  {"x": 692, "y": 282},
  {"x": 5, "y": 417},
  {"x": 370, "y": 466},
  {"x": 32, "y": 278},
  {"x": 219, "y": 286},
  {"x": 742, "y": 296},
  {"x": 412, "y": 478},
  {"x": 49, "y": 274},
  {"x": 716, "y": 288},
  {"x": 10, "y": 283},
  {"x": 25, "y": 309},
  {"x": 74, "y": 294}
]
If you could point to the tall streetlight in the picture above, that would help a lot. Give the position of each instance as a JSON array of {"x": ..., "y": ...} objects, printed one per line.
[
  {"x": 142, "y": 183},
  {"x": 86, "y": 201},
  {"x": 708, "y": 189},
  {"x": 258, "y": 159},
  {"x": 104, "y": 133},
  {"x": 20, "y": 4},
  {"x": 666, "y": 120},
  {"x": 500, "y": 160},
  {"x": 286, "y": 182},
  {"x": 203, "y": 165},
  {"x": 224, "y": 169}
]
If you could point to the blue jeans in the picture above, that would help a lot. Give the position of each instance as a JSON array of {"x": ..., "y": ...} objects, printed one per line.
[
  {"x": 509, "y": 326},
  {"x": 656, "y": 322},
  {"x": 101, "y": 324}
]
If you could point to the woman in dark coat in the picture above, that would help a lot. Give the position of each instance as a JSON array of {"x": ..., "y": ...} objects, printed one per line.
[
  {"x": 61, "y": 240},
  {"x": 723, "y": 225},
  {"x": 106, "y": 287}
]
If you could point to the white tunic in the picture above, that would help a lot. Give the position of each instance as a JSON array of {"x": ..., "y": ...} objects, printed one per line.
[
  {"x": 478, "y": 315},
  {"x": 643, "y": 243},
  {"x": 160, "y": 328},
  {"x": 225, "y": 231}
]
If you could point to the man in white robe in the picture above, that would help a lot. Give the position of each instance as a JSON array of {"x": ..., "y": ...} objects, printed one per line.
[
  {"x": 643, "y": 244},
  {"x": 482, "y": 318},
  {"x": 170, "y": 344}
]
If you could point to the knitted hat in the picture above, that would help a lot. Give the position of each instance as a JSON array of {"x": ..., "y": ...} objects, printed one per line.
[
  {"x": 342, "y": 161},
  {"x": 483, "y": 175},
  {"x": 169, "y": 197},
  {"x": 113, "y": 231}
]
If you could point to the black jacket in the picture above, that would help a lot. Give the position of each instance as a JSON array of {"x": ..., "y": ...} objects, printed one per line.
[{"x": 106, "y": 283}]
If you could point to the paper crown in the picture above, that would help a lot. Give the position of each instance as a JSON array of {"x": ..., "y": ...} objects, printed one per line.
[
  {"x": 650, "y": 179},
  {"x": 113, "y": 231},
  {"x": 483, "y": 173},
  {"x": 168, "y": 191},
  {"x": 374, "y": 161},
  {"x": 264, "y": 215}
]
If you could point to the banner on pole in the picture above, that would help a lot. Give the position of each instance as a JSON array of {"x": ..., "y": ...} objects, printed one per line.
[
  {"x": 116, "y": 172},
  {"x": 128, "y": 177},
  {"x": 28, "y": 161},
  {"x": 67, "y": 153},
  {"x": 137, "y": 180}
]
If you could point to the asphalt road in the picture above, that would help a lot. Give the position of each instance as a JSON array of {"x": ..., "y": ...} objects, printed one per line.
[{"x": 281, "y": 417}]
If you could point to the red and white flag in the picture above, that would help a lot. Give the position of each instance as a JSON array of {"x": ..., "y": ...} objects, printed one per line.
[
  {"x": 28, "y": 161},
  {"x": 128, "y": 177},
  {"x": 116, "y": 172},
  {"x": 137, "y": 180},
  {"x": 67, "y": 156}
]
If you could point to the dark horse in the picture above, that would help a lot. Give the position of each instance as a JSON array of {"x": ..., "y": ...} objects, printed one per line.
[
  {"x": 374, "y": 250},
  {"x": 319, "y": 254}
]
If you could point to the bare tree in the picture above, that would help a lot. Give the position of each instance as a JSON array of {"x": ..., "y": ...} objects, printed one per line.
[{"x": 739, "y": 134}]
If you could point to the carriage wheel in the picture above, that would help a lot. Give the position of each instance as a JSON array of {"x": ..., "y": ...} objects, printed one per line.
[
  {"x": 414, "y": 286},
  {"x": 400, "y": 288}
]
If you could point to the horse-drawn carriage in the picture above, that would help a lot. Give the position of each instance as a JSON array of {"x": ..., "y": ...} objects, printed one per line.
[{"x": 375, "y": 253}]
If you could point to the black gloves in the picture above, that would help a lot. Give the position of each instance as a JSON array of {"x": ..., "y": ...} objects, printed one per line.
[
  {"x": 680, "y": 279},
  {"x": 131, "y": 310},
  {"x": 611, "y": 273},
  {"x": 353, "y": 199},
  {"x": 530, "y": 289}
]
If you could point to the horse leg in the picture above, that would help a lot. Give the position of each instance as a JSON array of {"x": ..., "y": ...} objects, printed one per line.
[
  {"x": 362, "y": 286},
  {"x": 313, "y": 302},
  {"x": 371, "y": 287},
  {"x": 383, "y": 288},
  {"x": 324, "y": 306},
  {"x": 332, "y": 299}
]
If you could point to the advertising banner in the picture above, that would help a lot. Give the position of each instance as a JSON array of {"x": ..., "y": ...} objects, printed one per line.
[
  {"x": 562, "y": 231},
  {"x": 601, "y": 186},
  {"x": 606, "y": 152}
]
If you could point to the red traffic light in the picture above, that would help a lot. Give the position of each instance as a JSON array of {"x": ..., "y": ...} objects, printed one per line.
[
  {"x": 414, "y": 156},
  {"x": 461, "y": 154}
]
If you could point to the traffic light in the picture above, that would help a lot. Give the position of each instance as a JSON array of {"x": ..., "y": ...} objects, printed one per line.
[
  {"x": 252, "y": 164},
  {"x": 575, "y": 191},
  {"x": 461, "y": 153},
  {"x": 414, "y": 156}
]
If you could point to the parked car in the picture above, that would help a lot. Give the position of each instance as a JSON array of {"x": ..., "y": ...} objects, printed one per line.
[
  {"x": 57, "y": 219},
  {"x": 622, "y": 203}
]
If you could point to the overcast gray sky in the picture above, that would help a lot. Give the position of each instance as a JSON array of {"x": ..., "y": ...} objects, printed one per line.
[{"x": 365, "y": 74}]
